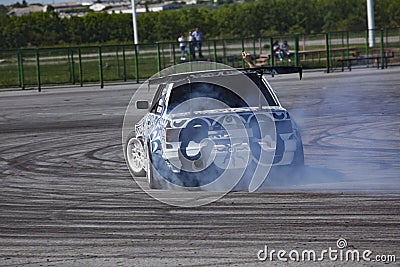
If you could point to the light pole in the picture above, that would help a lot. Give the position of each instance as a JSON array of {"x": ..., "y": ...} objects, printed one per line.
[
  {"x": 135, "y": 32},
  {"x": 371, "y": 23}
]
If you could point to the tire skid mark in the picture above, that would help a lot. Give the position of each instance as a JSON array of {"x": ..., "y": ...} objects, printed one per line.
[
  {"x": 97, "y": 154},
  {"x": 60, "y": 156},
  {"x": 75, "y": 204}
]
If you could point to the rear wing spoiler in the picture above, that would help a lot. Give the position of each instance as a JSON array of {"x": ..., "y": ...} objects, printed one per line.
[
  {"x": 274, "y": 70},
  {"x": 210, "y": 73}
]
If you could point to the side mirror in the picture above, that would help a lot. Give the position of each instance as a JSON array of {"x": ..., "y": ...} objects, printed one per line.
[{"x": 142, "y": 104}]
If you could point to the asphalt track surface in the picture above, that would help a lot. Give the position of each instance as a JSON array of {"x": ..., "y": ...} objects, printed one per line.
[{"x": 67, "y": 198}]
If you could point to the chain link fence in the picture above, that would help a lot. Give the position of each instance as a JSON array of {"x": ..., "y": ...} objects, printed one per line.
[{"x": 334, "y": 51}]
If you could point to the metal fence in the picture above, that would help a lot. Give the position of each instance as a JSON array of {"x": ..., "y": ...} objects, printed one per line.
[{"x": 334, "y": 51}]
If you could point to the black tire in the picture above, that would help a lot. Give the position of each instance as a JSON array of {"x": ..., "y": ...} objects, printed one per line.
[
  {"x": 298, "y": 158},
  {"x": 149, "y": 169},
  {"x": 159, "y": 176}
]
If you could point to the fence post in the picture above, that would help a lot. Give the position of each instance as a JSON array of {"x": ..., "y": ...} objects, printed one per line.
[
  {"x": 158, "y": 58},
  {"x": 136, "y": 63},
  {"x": 271, "y": 51},
  {"x": 101, "y": 68},
  {"x": 348, "y": 44},
  {"x": 367, "y": 46},
  {"x": 124, "y": 62},
  {"x": 38, "y": 71},
  {"x": 215, "y": 51},
  {"x": 80, "y": 67},
  {"x": 254, "y": 46},
  {"x": 173, "y": 53},
  {"x": 72, "y": 66},
  {"x": 162, "y": 57},
  {"x": 117, "y": 55},
  {"x": 224, "y": 59},
  {"x": 382, "y": 51},
  {"x": 20, "y": 70},
  {"x": 328, "y": 56},
  {"x": 296, "y": 51},
  {"x": 208, "y": 49}
]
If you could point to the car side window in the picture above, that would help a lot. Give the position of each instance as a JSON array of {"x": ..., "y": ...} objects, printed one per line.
[
  {"x": 159, "y": 104},
  {"x": 157, "y": 108}
]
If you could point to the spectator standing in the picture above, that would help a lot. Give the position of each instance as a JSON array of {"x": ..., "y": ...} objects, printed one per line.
[
  {"x": 192, "y": 44},
  {"x": 198, "y": 36},
  {"x": 182, "y": 46}
]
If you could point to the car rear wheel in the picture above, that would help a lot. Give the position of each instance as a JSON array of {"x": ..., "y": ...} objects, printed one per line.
[
  {"x": 150, "y": 170},
  {"x": 298, "y": 157},
  {"x": 135, "y": 156}
]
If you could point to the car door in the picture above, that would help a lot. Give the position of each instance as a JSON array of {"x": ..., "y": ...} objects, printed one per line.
[{"x": 155, "y": 122}]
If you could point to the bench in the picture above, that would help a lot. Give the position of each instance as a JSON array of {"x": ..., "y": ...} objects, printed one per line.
[
  {"x": 265, "y": 58},
  {"x": 376, "y": 59},
  {"x": 304, "y": 53}
]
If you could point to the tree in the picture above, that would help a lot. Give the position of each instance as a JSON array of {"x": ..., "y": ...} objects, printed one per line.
[
  {"x": 252, "y": 18},
  {"x": 121, "y": 28},
  {"x": 15, "y": 32},
  {"x": 97, "y": 27},
  {"x": 19, "y": 5},
  {"x": 74, "y": 30},
  {"x": 387, "y": 13},
  {"x": 3, "y": 9}
]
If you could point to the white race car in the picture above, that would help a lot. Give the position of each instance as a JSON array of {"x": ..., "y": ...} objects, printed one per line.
[{"x": 212, "y": 125}]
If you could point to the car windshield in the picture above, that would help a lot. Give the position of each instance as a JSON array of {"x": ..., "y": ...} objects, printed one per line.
[{"x": 186, "y": 92}]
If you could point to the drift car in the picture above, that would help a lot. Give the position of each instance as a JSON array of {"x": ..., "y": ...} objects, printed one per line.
[{"x": 205, "y": 125}]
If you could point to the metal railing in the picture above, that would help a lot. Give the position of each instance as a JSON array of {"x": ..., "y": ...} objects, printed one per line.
[{"x": 334, "y": 51}]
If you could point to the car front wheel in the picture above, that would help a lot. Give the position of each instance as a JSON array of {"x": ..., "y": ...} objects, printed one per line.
[{"x": 135, "y": 156}]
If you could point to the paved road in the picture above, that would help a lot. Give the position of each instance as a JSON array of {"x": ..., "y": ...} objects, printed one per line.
[{"x": 67, "y": 199}]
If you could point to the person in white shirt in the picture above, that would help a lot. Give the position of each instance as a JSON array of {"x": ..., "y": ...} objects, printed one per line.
[
  {"x": 198, "y": 36},
  {"x": 182, "y": 46}
]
